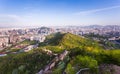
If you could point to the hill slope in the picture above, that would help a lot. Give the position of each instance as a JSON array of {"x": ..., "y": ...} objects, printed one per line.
[
  {"x": 83, "y": 53},
  {"x": 60, "y": 41}
]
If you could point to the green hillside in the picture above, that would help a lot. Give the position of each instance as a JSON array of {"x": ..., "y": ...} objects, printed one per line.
[
  {"x": 83, "y": 53},
  {"x": 58, "y": 42},
  {"x": 24, "y": 63}
]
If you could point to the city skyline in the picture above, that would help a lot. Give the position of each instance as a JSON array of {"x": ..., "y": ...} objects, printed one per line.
[{"x": 35, "y": 13}]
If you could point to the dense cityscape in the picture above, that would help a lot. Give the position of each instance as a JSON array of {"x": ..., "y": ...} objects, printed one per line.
[{"x": 11, "y": 36}]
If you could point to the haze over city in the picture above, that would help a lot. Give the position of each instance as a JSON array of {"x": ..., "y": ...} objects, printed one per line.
[{"x": 35, "y": 13}]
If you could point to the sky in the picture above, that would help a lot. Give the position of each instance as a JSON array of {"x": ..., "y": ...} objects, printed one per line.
[{"x": 35, "y": 13}]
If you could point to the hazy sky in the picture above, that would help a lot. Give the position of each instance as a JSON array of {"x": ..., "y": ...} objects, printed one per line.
[{"x": 25, "y": 13}]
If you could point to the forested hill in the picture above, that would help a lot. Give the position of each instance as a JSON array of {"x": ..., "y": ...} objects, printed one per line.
[
  {"x": 83, "y": 53},
  {"x": 68, "y": 41}
]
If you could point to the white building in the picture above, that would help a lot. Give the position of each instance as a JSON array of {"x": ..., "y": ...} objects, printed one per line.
[
  {"x": 4, "y": 41},
  {"x": 39, "y": 38}
]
